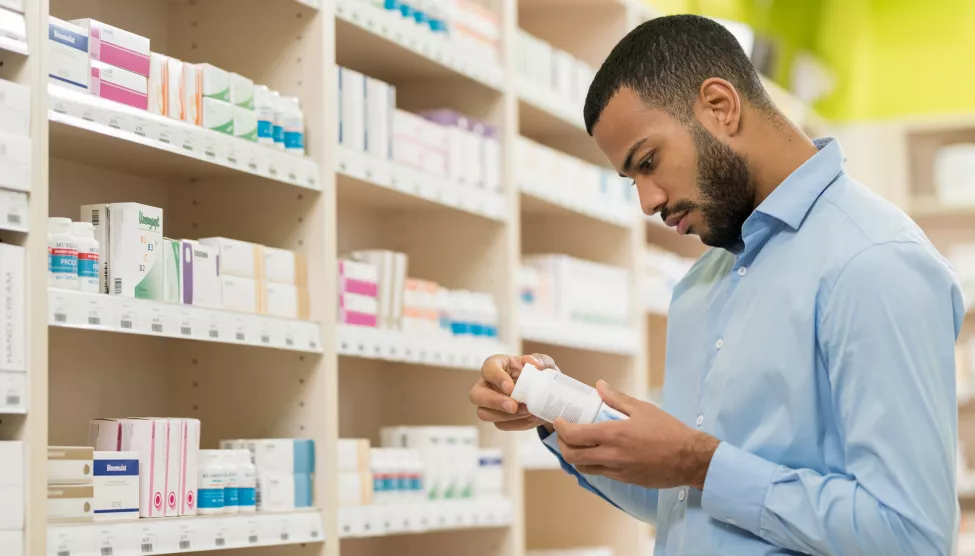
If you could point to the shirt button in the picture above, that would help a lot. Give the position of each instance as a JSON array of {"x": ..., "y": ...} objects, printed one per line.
[
  {"x": 719, "y": 344},
  {"x": 741, "y": 271},
  {"x": 681, "y": 495},
  {"x": 700, "y": 420}
]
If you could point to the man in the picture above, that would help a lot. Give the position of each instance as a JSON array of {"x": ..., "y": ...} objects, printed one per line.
[{"x": 810, "y": 392}]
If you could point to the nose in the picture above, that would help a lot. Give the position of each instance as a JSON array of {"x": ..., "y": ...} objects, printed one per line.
[{"x": 652, "y": 198}]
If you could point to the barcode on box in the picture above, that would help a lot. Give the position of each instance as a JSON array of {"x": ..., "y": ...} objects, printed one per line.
[
  {"x": 288, "y": 341},
  {"x": 184, "y": 544},
  {"x": 186, "y": 331},
  {"x": 60, "y": 317},
  {"x": 240, "y": 336},
  {"x": 13, "y": 400},
  {"x": 118, "y": 286},
  {"x": 252, "y": 539},
  {"x": 126, "y": 324},
  {"x": 157, "y": 327},
  {"x": 94, "y": 218},
  {"x": 107, "y": 551},
  {"x": 147, "y": 548},
  {"x": 94, "y": 321},
  {"x": 64, "y": 553}
]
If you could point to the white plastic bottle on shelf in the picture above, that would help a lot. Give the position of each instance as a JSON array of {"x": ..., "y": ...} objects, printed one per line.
[
  {"x": 491, "y": 316},
  {"x": 401, "y": 471},
  {"x": 416, "y": 474},
  {"x": 293, "y": 124},
  {"x": 264, "y": 108},
  {"x": 246, "y": 481},
  {"x": 213, "y": 480},
  {"x": 231, "y": 495},
  {"x": 442, "y": 303},
  {"x": 279, "y": 105},
  {"x": 551, "y": 395},
  {"x": 381, "y": 476},
  {"x": 88, "y": 256},
  {"x": 62, "y": 255}
]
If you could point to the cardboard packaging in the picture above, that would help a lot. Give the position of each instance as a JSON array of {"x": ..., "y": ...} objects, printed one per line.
[
  {"x": 69, "y": 465},
  {"x": 13, "y": 320},
  {"x": 245, "y": 124},
  {"x": 70, "y": 503},
  {"x": 240, "y": 294},
  {"x": 116, "y": 482},
  {"x": 132, "y": 262},
  {"x": 216, "y": 82},
  {"x": 158, "y": 84},
  {"x": 358, "y": 310},
  {"x": 286, "y": 301},
  {"x": 119, "y": 85},
  {"x": 351, "y": 97},
  {"x": 13, "y": 392},
  {"x": 218, "y": 115},
  {"x": 380, "y": 102},
  {"x": 147, "y": 437},
  {"x": 14, "y": 162},
  {"x": 189, "y": 470},
  {"x": 358, "y": 278},
  {"x": 237, "y": 258},
  {"x": 192, "y": 94},
  {"x": 15, "y": 108},
  {"x": 241, "y": 91},
  {"x": 12, "y": 478},
  {"x": 67, "y": 46},
  {"x": 116, "y": 47},
  {"x": 175, "y": 94},
  {"x": 200, "y": 274},
  {"x": 172, "y": 270},
  {"x": 285, "y": 267},
  {"x": 353, "y": 454}
]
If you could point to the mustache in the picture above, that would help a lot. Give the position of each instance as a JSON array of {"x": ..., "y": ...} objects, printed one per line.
[{"x": 684, "y": 205}]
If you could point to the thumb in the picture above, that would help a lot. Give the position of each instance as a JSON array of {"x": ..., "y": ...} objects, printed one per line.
[{"x": 615, "y": 399}]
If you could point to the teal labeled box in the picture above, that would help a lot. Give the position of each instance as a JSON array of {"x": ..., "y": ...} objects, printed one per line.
[{"x": 295, "y": 456}]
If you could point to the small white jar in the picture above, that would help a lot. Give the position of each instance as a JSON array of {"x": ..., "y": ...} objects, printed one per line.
[
  {"x": 551, "y": 395},
  {"x": 62, "y": 255},
  {"x": 211, "y": 493},
  {"x": 88, "y": 256},
  {"x": 246, "y": 481}
]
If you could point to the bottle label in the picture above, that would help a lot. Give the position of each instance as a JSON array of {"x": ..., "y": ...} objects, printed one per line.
[
  {"x": 416, "y": 484},
  {"x": 294, "y": 140},
  {"x": 246, "y": 496},
  {"x": 87, "y": 264},
  {"x": 278, "y": 134},
  {"x": 231, "y": 496},
  {"x": 210, "y": 498},
  {"x": 265, "y": 129},
  {"x": 389, "y": 483},
  {"x": 378, "y": 485},
  {"x": 403, "y": 483},
  {"x": 63, "y": 260}
]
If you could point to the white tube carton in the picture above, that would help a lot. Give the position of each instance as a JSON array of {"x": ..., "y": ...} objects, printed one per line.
[
  {"x": 148, "y": 438},
  {"x": 380, "y": 102},
  {"x": 174, "y": 459},
  {"x": 172, "y": 270},
  {"x": 133, "y": 257},
  {"x": 13, "y": 323},
  {"x": 241, "y": 91},
  {"x": 282, "y": 266},
  {"x": 240, "y": 294},
  {"x": 245, "y": 124},
  {"x": 158, "y": 84},
  {"x": 67, "y": 47},
  {"x": 218, "y": 115},
  {"x": 116, "y": 46},
  {"x": 237, "y": 258},
  {"x": 189, "y": 474},
  {"x": 192, "y": 94},
  {"x": 200, "y": 275},
  {"x": 352, "y": 127},
  {"x": 116, "y": 483},
  {"x": 175, "y": 94},
  {"x": 216, "y": 82}
]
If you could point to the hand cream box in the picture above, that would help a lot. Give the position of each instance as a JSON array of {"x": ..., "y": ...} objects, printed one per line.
[
  {"x": 116, "y": 482},
  {"x": 241, "y": 91},
  {"x": 116, "y": 47},
  {"x": 67, "y": 47},
  {"x": 200, "y": 275},
  {"x": 175, "y": 93},
  {"x": 237, "y": 258},
  {"x": 133, "y": 259},
  {"x": 70, "y": 503},
  {"x": 69, "y": 464},
  {"x": 119, "y": 85},
  {"x": 240, "y": 294},
  {"x": 13, "y": 319},
  {"x": 218, "y": 115},
  {"x": 158, "y": 84}
]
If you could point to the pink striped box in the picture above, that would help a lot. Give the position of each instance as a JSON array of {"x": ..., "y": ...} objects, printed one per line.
[
  {"x": 358, "y": 278},
  {"x": 119, "y": 85},
  {"x": 116, "y": 47},
  {"x": 358, "y": 310}
]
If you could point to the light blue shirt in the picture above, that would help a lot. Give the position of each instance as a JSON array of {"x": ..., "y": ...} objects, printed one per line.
[{"x": 820, "y": 352}]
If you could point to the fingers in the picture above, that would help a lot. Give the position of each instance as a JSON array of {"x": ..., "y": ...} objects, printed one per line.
[
  {"x": 583, "y": 455},
  {"x": 522, "y": 424},
  {"x": 482, "y": 395},
  {"x": 496, "y": 371},
  {"x": 494, "y": 416},
  {"x": 616, "y": 399},
  {"x": 586, "y": 435},
  {"x": 539, "y": 360}
]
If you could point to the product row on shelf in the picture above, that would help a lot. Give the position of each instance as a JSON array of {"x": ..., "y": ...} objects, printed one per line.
[
  {"x": 561, "y": 288},
  {"x": 443, "y": 144},
  {"x": 92, "y": 57},
  {"x": 13, "y": 27},
  {"x": 423, "y": 478},
  {"x": 15, "y": 157},
  {"x": 660, "y": 270},
  {"x": 550, "y": 77},
  {"x": 121, "y": 249}
]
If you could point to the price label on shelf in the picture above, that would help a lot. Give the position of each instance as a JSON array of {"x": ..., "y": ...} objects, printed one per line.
[
  {"x": 187, "y": 535},
  {"x": 190, "y": 326},
  {"x": 265, "y": 331},
  {"x": 145, "y": 128},
  {"x": 150, "y": 539},
  {"x": 115, "y": 540},
  {"x": 190, "y": 144},
  {"x": 251, "y": 531},
  {"x": 221, "y": 532},
  {"x": 209, "y": 142},
  {"x": 243, "y": 329},
  {"x": 159, "y": 320},
  {"x": 62, "y": 308},
  {"x": 169, "y": 135},
  {"x": 129, "y": 317},
  {"x": 99, "y": 311},
  {"x": 315, "y": 528},
  {"x": 216, "y": 327},
  {"x": 70, "y": 541}
]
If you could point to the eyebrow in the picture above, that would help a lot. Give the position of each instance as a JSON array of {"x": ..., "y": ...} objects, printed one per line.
[{"x": 628, "y": 161}]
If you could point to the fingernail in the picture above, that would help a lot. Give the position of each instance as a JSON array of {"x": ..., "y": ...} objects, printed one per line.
[
  {"x": 510, "y": 406},
  {"x": 508, "y": 386}
]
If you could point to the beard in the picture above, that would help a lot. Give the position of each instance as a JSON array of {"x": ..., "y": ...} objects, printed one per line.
[{"x": 725, "y": 188}]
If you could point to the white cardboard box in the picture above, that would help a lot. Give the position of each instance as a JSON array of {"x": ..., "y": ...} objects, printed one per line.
[
  {"x": 14, "y": 162},
  {"x": 12, "y": 454},
  {"x": 13, "y": 321},
  {"x": 12, "y": 542},
  {"x": 240, "y": 294},
  {"x": 69, "y": 464},
  {"x": 14, "y": 108},
  {"x": 14, "y": 210},
  {"x": 237, "y": 258},
  {"x": 190, "y": 454},
  {"x": 116, "y": 482},
  {"x": 200, "y": 274}
]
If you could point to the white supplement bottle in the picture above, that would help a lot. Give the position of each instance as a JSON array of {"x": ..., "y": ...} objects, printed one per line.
[
  {"x": 293, "y": 124},
  {"x": 88, "y": 255},
  {"x": 246, "y": 482},
  {"x": 62, "y": 255},
  {"x": 230, "y": 493},
  {"x": 213, "y": 480},
  {"x": 551, "y": 395}
]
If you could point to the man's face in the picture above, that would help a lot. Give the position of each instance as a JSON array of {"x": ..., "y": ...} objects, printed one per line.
[{"x": 697, "y": 183}]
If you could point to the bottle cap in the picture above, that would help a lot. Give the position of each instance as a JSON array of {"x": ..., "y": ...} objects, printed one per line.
[{"x": 522, "y": 385}]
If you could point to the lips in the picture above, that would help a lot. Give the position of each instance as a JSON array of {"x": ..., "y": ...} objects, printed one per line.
[
  {"x": 683, "y": 225},
  {"x": 680, "y": 221}
]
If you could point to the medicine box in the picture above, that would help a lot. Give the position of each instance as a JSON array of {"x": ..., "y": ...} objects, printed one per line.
[
  {"x": 67, "y": 47},
  {"x": 283, "y": 491},
  {"x": 201, "y": 280},
  {"x": 158, "y": 84},
  {"x": 264, "y": 110},
  {"x": 148, "y": 438},
  {"x": 12, "y": 542},
  {"x": 218, "y": 115},
  {"x": 13, "y": 323},
  {"x": 14, "y": 108},
  {"x": 353, "y": 454},
  {"x": 240, "y": 294},
  {"x": 215, "y": 81},
  {"x": 192, "y": 94},
  {"x": 116, "y": 47},
  {"x": 13, "y": 392},
  {"x": 278, "y": 455},
  {"x": 285, "y": 267},
  {"x": 13, "y": 31},
  {"x": 17, "y": 6},
  {"x": 358, "y": 310},
  {"x": 237, "y": 258},
  {"x": 351, "y": 97},
  {"x": 380, "y": 102},
  {"x": 355, "y": 488},
  {"x": 70, "y": 503},
  {"x": 358, "y": 278},
  {"x": 241, "y": 91},
  {"x": 175, "y": 94},
  {"x": 172, "y": 269},
  {"x": 116, "y": 483},
  {"x": 12, "y": 479},
  {"x": 133, "y": 258},
  {"x": 189, "y": 453},
  {"x": 286, "y": 301},
  {"x": 14, "y": 161},
  {"x": 119, "y": 85},
  {"x": 245, "y": 124},
  {"x": 69, "y": 464}
]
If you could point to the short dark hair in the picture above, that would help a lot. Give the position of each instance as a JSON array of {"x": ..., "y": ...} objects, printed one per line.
[{"x": 665, "y": 61}]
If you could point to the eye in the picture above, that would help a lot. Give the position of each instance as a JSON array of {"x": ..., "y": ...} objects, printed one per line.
[{"x": 646, "y": 165}]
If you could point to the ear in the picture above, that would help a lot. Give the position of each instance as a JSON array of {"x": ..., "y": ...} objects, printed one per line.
[{"x": 719, "y": 107}]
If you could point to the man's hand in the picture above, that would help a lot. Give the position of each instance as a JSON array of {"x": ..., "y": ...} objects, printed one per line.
[
  {"x": 651, "y": 448},
  {"x": 492, "y": 392}
]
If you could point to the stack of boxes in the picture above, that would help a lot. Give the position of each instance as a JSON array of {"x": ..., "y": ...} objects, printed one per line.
[
  {"x": 449, "y": 456},
  {"x": 13, "y": 26},
  {"x": 167, "y": 450},
  {"x": 441, "y": 143},
  {"x": 358, "y": 293},
  {"x": 13, "y": 495},
  {"x": 70, "y": 490},
  {"x": 355, "y": 478},
  {"x": 391, "y": 268},
  {"x": 108, "y": 62},
  {"x": 565, "y": 289},
  {"x": 554, "y": 71},
  {"x": 285, "y": 471},
  {"x": 660, "y": 271}
]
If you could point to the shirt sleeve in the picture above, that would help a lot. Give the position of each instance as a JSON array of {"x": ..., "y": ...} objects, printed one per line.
[
  {"x": 887, "y": 328},
  {"x": 637, "y": 501}
]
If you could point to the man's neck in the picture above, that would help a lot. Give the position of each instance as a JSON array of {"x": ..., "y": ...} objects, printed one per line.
[{"x": 781, "y": 148}]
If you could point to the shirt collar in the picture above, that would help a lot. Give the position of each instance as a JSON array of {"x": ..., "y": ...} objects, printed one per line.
[{"x": 792, "y": 199}]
